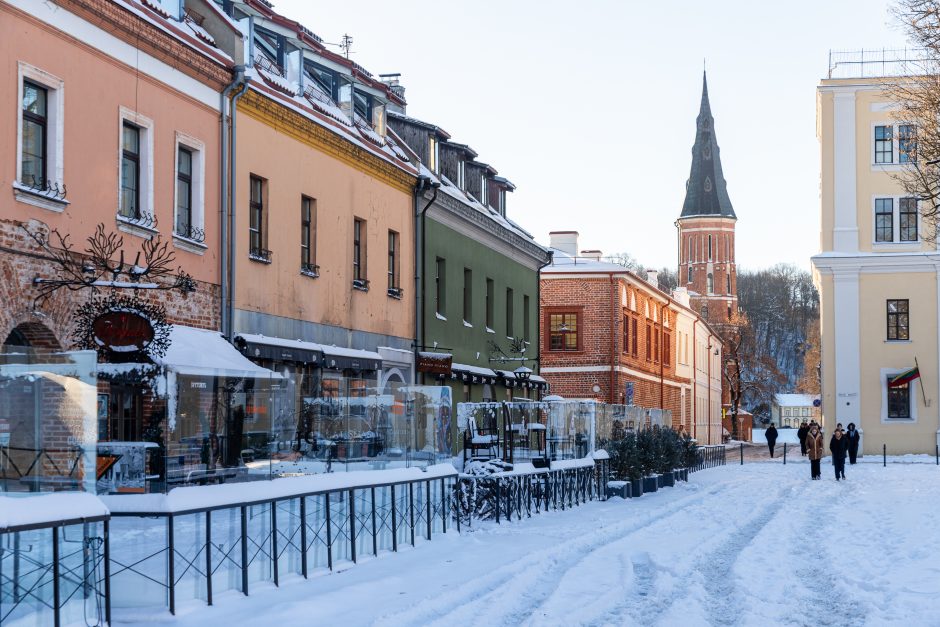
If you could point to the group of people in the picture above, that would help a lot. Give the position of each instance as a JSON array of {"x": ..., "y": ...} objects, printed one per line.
[{"x": 842, "y": 444}]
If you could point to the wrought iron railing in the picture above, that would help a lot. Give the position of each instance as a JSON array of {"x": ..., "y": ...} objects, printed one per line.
[
  {"x": 191, "y": 232},
  {"x": 30, "y": 469},
  {"x": 260, "y": 254},
  {"x": 708, "y": 457}
]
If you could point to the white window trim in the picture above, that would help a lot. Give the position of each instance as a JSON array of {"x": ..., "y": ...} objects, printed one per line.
[
  {"x": 55, "y": 140},
  {"x": 895, "y": 243},
  {"x": 895, "y": 165},
  {"x": 146, "y": 172},
  {"x": 198, "y": 150},
  {"x": 890, "y": 372}
]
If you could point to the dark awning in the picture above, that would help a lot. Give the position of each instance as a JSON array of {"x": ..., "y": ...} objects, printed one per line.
[
  {"x": 338, "y": 358},
  {"x": 278, "y": 349}
]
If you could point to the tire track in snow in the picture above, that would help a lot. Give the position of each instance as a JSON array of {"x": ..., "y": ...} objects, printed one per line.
[{"x": 510, "y": 594}]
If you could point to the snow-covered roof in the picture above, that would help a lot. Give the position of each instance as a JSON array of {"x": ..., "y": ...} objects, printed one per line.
[
  {"x": 477, "y": 370},
  {"x": 563, "y": 262},
  {"x": 795, "y": 400},
  {"x": 206, "y": 353}
]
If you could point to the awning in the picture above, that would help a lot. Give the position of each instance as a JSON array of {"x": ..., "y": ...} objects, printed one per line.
[
  {"x": 206, "y": 353},
  {"x": 338, "y": 358},
  {"x": 256, "y": 346},
  {"x": 473, "y": 374}
]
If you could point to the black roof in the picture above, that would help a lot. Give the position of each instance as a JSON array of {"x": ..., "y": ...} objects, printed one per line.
[{"x": 706, "y": 192}]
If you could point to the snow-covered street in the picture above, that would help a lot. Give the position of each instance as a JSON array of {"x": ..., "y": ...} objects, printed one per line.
[{"x": 752, "y": 545}]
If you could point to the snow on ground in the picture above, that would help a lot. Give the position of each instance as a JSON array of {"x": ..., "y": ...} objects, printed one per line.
[{"x": 758, "y": 544}]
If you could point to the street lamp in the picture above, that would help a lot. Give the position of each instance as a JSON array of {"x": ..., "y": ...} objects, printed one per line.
[{"x": 523, "y": 373}]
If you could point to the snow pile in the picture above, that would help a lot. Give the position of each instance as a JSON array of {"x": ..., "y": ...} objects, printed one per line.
[{"x": 49, "y": 508}]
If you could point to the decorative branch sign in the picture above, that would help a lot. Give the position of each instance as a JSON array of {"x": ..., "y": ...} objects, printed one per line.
[{"x": 122, "y": 327}]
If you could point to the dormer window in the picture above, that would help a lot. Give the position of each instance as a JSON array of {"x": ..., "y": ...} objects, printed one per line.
[
  {"x": 325, "y": 80},
  {"x": 434, "y": 154},
  {"x": 483, "y": 190},
  {"x": 461, "y": 174},
  {"x": 502, "y": 203},
  {"x": 363, "y": 105}
]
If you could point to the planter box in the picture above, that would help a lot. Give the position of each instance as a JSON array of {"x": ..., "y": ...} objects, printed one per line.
[
  {"x": 650, "y": 484},
  {"x": 667, "y": 479},
  {"x": 682, "y": 474},
  {"x": 636, "y": 488},
  {"x": 618, "y": 488}
]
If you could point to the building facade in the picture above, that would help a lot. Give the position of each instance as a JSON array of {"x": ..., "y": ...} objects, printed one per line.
[
  {"x": 707, "y": 267},
  {"x": 877, "y": 274},
  {"x": 609, "y": 335},
  {"x": 792, "y": 410},
  {"x": 478, "y": 274}
]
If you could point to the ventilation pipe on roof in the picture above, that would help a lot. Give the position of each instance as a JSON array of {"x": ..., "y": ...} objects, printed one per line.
[
  {"x": 594, "y": 255},
  {"x": 565, "y": 241}
]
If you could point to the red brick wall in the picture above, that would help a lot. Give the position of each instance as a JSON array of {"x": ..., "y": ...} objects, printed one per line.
[{"x": 721, "y": 264}]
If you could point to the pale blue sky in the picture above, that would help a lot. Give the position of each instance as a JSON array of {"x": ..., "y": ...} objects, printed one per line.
[{"x": 589, "y": 107}]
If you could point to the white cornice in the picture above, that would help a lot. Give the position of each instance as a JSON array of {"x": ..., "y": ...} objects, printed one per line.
[{"x": 874, "y": 263}]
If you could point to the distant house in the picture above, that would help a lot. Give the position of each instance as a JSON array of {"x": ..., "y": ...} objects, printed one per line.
[{"x": 790, "y": 410}]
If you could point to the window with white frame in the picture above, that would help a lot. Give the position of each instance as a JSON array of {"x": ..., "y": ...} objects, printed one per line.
[
  {"x": 899, "y": 402},
  {"x": 39, "y": 138},
  {"x": 896, "y": 220},
  {"x": 894, "y": 144},
  {"x": 884, "y": 144},
  {"x": 135, "y": 169},
  {"x": 189, "y": 214}
]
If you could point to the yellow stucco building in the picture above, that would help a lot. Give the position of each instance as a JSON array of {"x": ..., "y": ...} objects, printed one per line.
[{"x": 877, "y": 272}]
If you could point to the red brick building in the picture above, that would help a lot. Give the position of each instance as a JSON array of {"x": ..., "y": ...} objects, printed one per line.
[{"x": 610, "y": 335}]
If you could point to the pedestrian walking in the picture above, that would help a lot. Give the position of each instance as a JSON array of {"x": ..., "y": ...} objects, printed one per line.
[
  {"x": 801, "y": 434},
  {"x": 838, "y": 445},
  {"x": 814, "y": 449},
  {"x": 853, "y": 437},
  {"x": 771, "y": 434}
]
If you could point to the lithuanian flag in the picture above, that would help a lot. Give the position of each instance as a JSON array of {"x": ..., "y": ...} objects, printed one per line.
[{"x": 904, "y": 378}]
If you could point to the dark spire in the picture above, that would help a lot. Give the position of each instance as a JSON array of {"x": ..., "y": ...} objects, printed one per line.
[{"x": 706, "y": 193}]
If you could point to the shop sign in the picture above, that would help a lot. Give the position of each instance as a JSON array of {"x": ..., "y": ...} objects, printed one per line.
[
  {"x": 434, "y": 363},
  {"x": 122, "y": 331}
]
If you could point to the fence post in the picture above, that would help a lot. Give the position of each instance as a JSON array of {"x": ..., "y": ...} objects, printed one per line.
[
  {"x": 784, "y": 453},
  {"x": 171, "y": 564},
  {"x": 884, "y": 455},
  {"x": 56, "y": 600},
  {"x": 107, "y": 571},
  {"x": 938, "y": 455},
  {"x": 742, "y": 453},
  {"x": 209, "y": 557}
]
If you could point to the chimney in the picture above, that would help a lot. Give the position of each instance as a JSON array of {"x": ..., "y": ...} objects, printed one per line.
[
  {"x": 652, "y": 277},
  {"x": 394, "y": 83},
  {"x": 565, "y": 241},
  {"x": 681, "y": 295},
  {"x": 591, "y": 254}
]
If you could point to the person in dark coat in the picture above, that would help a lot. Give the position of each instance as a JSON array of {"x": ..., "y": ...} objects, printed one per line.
[
  {"x": 771, "y": 435},
  {"x": 838, "y": 445},
  {"x": 853, "y": 437},
  {"x": 801, "y": 434},
  {"x": 815, "y": 450}
]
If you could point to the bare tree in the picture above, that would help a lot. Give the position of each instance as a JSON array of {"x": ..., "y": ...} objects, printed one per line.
[{"x": 918, "y": 97}]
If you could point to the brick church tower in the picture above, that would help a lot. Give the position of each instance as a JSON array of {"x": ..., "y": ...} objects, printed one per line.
[{"x": 706, "y": 227}]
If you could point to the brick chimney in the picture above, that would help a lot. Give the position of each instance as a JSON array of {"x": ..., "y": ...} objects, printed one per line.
[
  {"x": 652, "y": 277},
  {"x": 394, "y": 83},
  {"x": 565, "y": 241}
]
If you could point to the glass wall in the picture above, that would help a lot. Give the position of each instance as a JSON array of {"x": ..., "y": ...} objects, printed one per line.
[{"x": 48, "y": 420}]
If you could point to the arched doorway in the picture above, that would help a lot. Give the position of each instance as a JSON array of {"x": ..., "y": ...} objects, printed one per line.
[{"x": 33, "y": 335}]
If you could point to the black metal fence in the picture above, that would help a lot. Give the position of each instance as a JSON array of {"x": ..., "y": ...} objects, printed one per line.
[
  {"x": 708, "y": 457},
  {"x": 55, "y": 573},
  {"x": 163, "y": 559}
]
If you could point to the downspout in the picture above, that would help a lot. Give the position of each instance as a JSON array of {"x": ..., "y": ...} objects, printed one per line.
[
  {"x": 538, "y": 313},
  {"x": 423, "y": 183},
  {"x": 708, "y": 410},
  {"x": 694, "y": 379},
  {"x": 613, "y": 341},
  {"x": 662, "y": 352},
  {"x": 223, "y": 200},
  {"x": 232, "y": 206}
]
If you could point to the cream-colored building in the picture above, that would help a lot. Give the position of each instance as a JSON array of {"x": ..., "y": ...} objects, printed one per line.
[
  {"x": 792, "y": 410},
  {"x": 878, "y": 278}
]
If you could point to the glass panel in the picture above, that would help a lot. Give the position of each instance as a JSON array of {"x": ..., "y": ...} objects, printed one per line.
[
  {"x": 34, "y": 148},
  {"x": 185, "y": 162},
  {"x": 34, "y": 99},
  {"x": 131, "y": 141},
  {"x": 129, "y": 187}
]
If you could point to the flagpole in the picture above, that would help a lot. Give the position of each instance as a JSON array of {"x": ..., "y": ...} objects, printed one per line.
[{"x": 922, "y": 393}]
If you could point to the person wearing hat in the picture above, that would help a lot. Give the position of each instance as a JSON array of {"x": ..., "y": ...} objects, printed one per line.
[
  {"x": 838, "y": 444},
  {"x": 815, "y": 450},
  {"x": 853, "y": 438},
  {"x": 771, "y": 434}
]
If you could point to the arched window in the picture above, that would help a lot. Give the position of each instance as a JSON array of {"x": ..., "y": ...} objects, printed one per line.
[
  {"x": 704, "y": 311},
  {"x": 728, "y": 281},
  {"x": 709, "y": 247},
  {"x": 690, "y": 273},
  {"x": 709, "y": 283}
]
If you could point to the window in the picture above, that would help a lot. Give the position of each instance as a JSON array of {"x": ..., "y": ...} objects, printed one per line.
[
  {"x": 461, "y": 174},
  {"x": 690, "y": 273},
  {"x": 502, "y": 203},
  {"x": 434, "y": 154},
  {"x": 884, "y": 219},
  {"x": 899, "y": 401},
  {"x": 907, "y": 143},
  {"x": 325, "y": 79},
  {"x": 729, "y": 311},
  {"x": 467, "y": 295},
  {"x": 363, "y": 105},
  {"x": 656, "y": 353},
  {"x": 510, "y": 326},
  {"x": 710, "y": 281},
  {"x": 184, "y": 191},
  {"x": 704, "y": 311},
  {"x": 525, "y": 318},
  {"x": 483, "y": 191},
  {"x": 898, "y": 320},
  {"x": 649, "y": 343},
  {"x": 490, "y": 296},
  {"x": 359, "y": 254},
  {"x": 130, "y": 171},
  {"x": 257, "y": 219},
  {"x": 667, "y": 349},
  {"x": 633, "y": 334},
  {"x": 728, "y": 283},
  {"x": 907, "y": 222},
  {"x": 709, "y": 247},
  {"x": 626, "y": 333},
  {"x": 308, "y": 236},
  {"x": 884, "y": 144},
  {"x": 394, "y": 283},
  {"x": 34, "y": 136},
  {"x": 440, "y": 286},
  {"x": 563, "y": 332}
]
